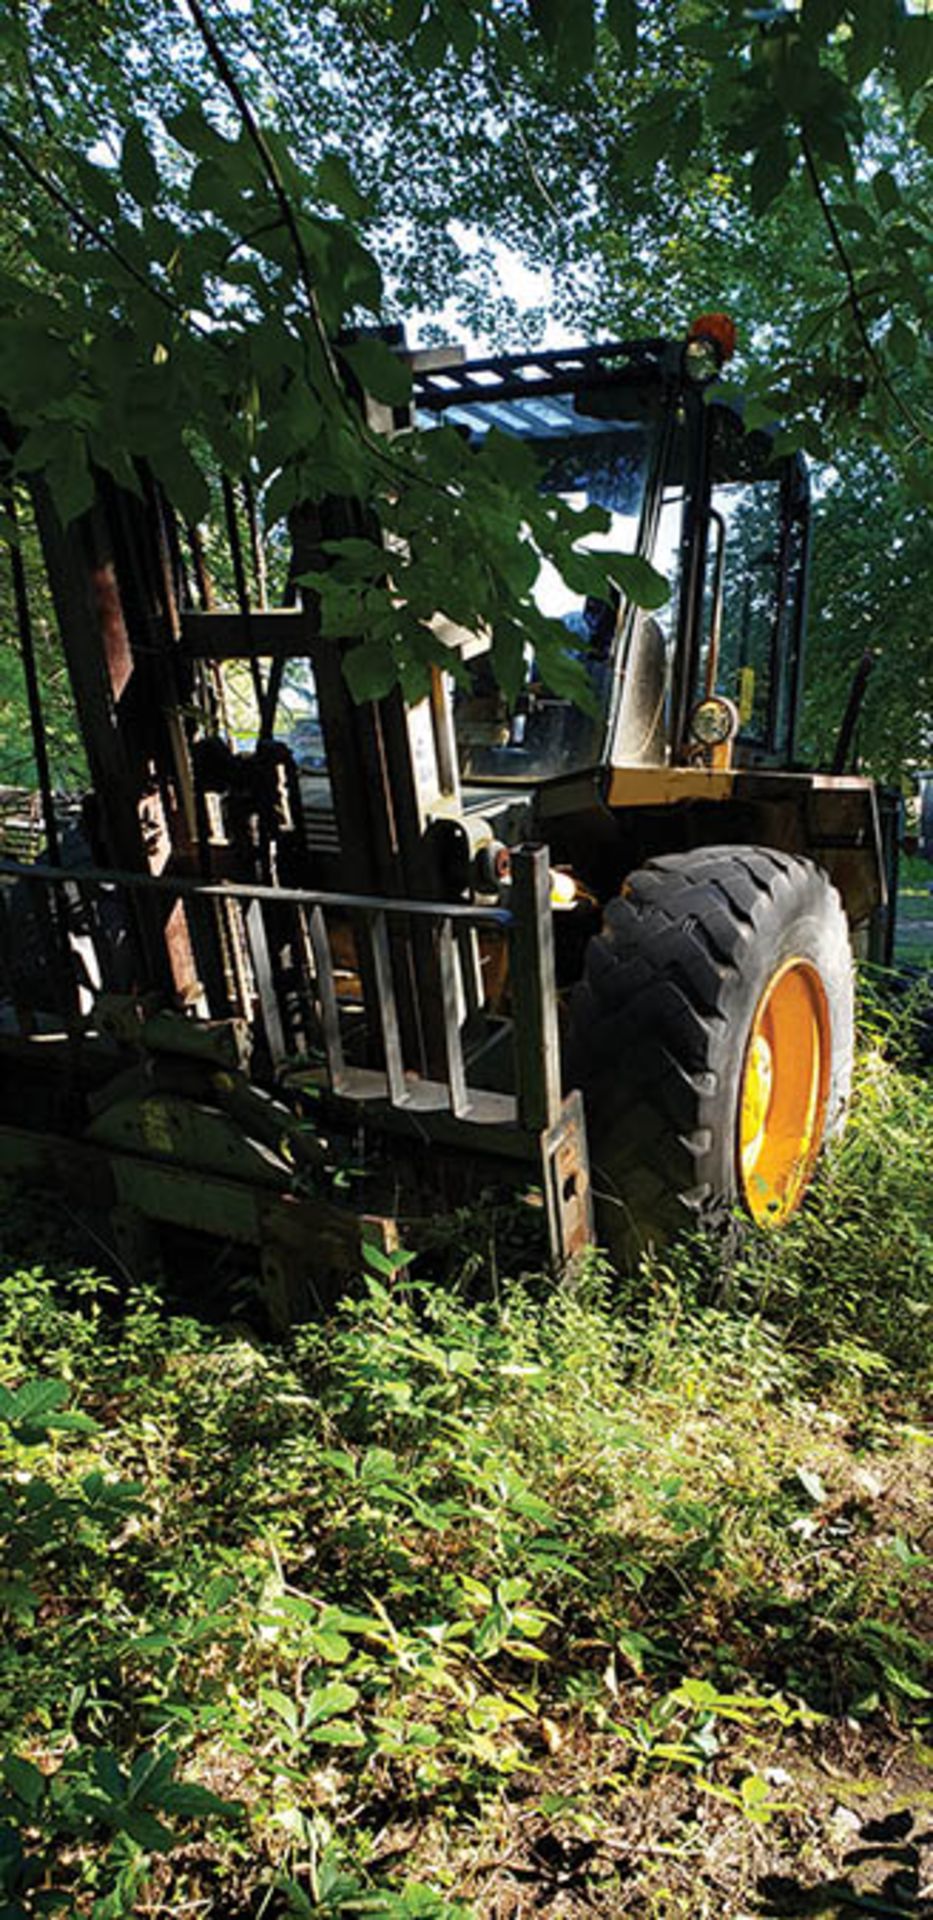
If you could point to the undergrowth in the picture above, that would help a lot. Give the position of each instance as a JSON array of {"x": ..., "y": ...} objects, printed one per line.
[{"x": 304, "y": 1628}]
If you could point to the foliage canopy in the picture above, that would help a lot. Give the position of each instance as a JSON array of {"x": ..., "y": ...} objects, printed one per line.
[{"x": 198, "y": 199}]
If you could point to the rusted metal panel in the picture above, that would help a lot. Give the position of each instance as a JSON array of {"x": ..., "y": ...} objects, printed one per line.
[
  {"x": 567, "y": 1187},
  {"x": 534, "y": 992}
]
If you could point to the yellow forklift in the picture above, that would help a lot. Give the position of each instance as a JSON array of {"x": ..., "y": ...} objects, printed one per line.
[{"x": 336, "y": 970}]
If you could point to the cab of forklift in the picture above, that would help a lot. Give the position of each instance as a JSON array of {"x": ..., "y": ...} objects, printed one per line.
[{"x": 689, "y": 490}]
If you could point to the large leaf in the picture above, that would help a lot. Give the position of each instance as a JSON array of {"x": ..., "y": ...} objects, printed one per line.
[
  {"x": 508, "y": 658},
  {"x": 770, "y": 171},
  {"x": 339, "y": 1733},
  {"x": 568, "y": 28},
  {"x": 328, "y": 1702},
  {"x": 622, "y": 22},
  {"x": 183, "y": 481},
  {"x": 32, "y": 1400},
  {"x": 913, "y": 55},
  {"x": 379, "y": 371},
  {"x": 335, "y": 182},
  {"x": 404, "y": 18},
  {"x": 370, "y": 671},
  {"x": 138, "y": 170},
  {"x": 24, "y": 1779},
  {"x": 638, "y": 580},
  {"x": 190, "y": 1801},
  {"x": 148, "y": 1832}
]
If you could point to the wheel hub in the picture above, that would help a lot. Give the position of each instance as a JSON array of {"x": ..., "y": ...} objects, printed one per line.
[{"x": 784, "y": 1092}]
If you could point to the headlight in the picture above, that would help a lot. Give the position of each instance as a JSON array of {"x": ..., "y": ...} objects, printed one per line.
[
  {"x": 713, "y": 721},
  {"x": 701, "y": 361}
]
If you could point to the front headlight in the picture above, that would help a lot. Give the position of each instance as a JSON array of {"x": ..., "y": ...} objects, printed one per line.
[{"x": 713, "y": 721}]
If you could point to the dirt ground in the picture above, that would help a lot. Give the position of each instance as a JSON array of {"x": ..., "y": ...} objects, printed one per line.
[{"x": 851, "y": 1833}]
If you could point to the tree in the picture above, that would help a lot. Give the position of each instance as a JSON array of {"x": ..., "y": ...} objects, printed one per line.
[
  {"x": 870, "y": 591},
  {"x": 179, "y": 299}
]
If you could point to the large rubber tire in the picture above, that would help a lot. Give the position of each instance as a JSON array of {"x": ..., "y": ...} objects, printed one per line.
[{"x": 662, "y": 1025}]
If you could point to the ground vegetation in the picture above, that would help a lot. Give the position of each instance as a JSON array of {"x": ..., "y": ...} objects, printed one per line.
[{"x": 612, "y": 1599}]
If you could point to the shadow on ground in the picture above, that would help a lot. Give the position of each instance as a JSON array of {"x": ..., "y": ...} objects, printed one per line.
[{"x": 888, "y": 1871}]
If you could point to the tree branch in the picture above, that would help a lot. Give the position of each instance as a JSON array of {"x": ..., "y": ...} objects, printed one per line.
[
  {"x": 88, "y": 227},
  {"x": 271, "y": 170},
  {"x": 854, "y": 296}
]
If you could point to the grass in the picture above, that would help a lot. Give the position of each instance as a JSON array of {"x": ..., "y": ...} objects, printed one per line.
[
  {"x": 612, "y": 1600},
  {"x": 914, "y": 935}
]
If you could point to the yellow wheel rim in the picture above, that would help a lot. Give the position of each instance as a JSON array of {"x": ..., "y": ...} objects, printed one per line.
[{"x": 783, "y": 1093}]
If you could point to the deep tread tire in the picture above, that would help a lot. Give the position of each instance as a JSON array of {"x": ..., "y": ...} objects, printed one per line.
[{"x": 660, "y": 1022}]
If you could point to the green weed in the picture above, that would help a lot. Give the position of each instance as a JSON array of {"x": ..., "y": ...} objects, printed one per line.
[{"x": 299, "y": 1622}]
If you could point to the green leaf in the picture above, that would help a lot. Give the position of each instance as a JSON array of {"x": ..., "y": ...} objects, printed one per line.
[
  {"x": 69, "y": 479},
  {"x": 97, "y": 187},
  {"x": 150, "y": 1774},
  {"x": 210, "y": 190},
  {"x": 326, "y": 1702},
  {"x": 379, "y": 371},
  {"x": 282, "y": 1705},
  {"x": 924, "y": 128},
  {"x": 430, "y": 42},
  {"x": 378, "y": 1464},
  {"x": 183, "y": 481},
  {"x": 769, "y": 174},
  {"x": 509, "y": 458},
  {"x": 138, "y": 170},
  {"x": 508, "y": 658},
  {"x": 18, "y": 1598},
  {"x": 857, "y": 219},
  {"x": 650, "y": 138},
  {"x": 404, "y": 18},
  {"x": 339, "y": 1733},
  {"x": 827, "y": 137},
  {"x": 280, "y": 496},
  {"x": 904, "y": 1683},
  {"x": 146, "y": 1830},
  {"x": 901, "y": 343},
  {"x": 108, "y": 1774},
  {"x": 686, "y": 134},
  {"x": 379, "y": 1261},
  {"x": 886, "y": 190},
  {"x": 463, "y": 29},
  {"x": 194, "y": 132},
  {"x": 365, "y": 559},
  {"x": 819, "y": 17},
  {"x": 622, "y": 23},
  {"x": 568, "y": 29},
  {"x": 335, "y": 183},
  {"x": 638, "y": 580},
  {"x": 24, "y": 1779},
  {"x": 330, "y": 1647},
  {"x": 913, "y": 53},
  {"x": 370, "y": 670},
  {"x": 72, "y": 1423},
  {"x": 191, "y": 1801},
  {"x": 871, "y": 31},
  {"x": 32, "y": 1400}
]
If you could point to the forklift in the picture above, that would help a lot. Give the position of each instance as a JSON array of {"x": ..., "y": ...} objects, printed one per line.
[{"x": 304, "y": 980}]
